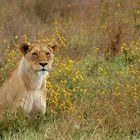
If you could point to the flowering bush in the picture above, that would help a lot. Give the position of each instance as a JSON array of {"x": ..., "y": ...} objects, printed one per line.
[{"x": 64, "y": 85}]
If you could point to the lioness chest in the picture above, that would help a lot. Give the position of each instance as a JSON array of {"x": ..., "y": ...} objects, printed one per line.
[{"x": 16, "y": 95}]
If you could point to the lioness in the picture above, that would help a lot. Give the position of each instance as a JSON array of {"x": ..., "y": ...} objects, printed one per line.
[{"x": 26, "y": 87}]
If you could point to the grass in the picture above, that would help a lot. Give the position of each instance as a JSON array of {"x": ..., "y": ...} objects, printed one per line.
[
  {"x": 106, "y": 108},
  {"x": 93, "y": 90}
]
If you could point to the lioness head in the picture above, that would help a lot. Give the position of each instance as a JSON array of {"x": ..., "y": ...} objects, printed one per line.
[{"x": 38, "y": 57}]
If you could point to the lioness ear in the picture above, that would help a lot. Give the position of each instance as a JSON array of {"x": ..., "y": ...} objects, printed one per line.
[
  {"x": 24, "y": 48},
  {"x": 53, "y": 45}
]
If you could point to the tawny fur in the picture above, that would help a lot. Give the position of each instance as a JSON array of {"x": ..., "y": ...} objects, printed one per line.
[{"x": 27, "y": 85}]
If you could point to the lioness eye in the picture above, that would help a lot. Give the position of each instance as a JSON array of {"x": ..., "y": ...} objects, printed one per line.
[
  {"x": 34, "y": 53},
  {"x": 47, "y": 53}
]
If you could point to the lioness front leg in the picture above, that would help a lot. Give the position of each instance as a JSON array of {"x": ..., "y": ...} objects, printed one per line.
[{"x": 39, "y": 104}]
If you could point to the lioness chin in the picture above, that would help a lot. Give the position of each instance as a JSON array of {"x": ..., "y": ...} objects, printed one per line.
[{"x": 27, "y": 85}]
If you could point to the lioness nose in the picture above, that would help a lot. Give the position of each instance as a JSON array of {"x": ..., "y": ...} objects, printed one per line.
[{"x": 43, "y": 64}]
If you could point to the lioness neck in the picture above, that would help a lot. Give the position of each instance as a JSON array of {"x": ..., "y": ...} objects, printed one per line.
[{"x": 28, "y": 76}]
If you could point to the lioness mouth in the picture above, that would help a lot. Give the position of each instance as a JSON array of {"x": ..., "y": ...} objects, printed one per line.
[{"x": 43, "y": 70}]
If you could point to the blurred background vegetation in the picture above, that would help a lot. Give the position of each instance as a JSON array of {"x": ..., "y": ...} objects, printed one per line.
[{"x": 97, "y": 67}]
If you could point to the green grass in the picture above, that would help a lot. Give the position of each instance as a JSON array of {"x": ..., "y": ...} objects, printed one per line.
[{"x": 100, "y": 113}]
